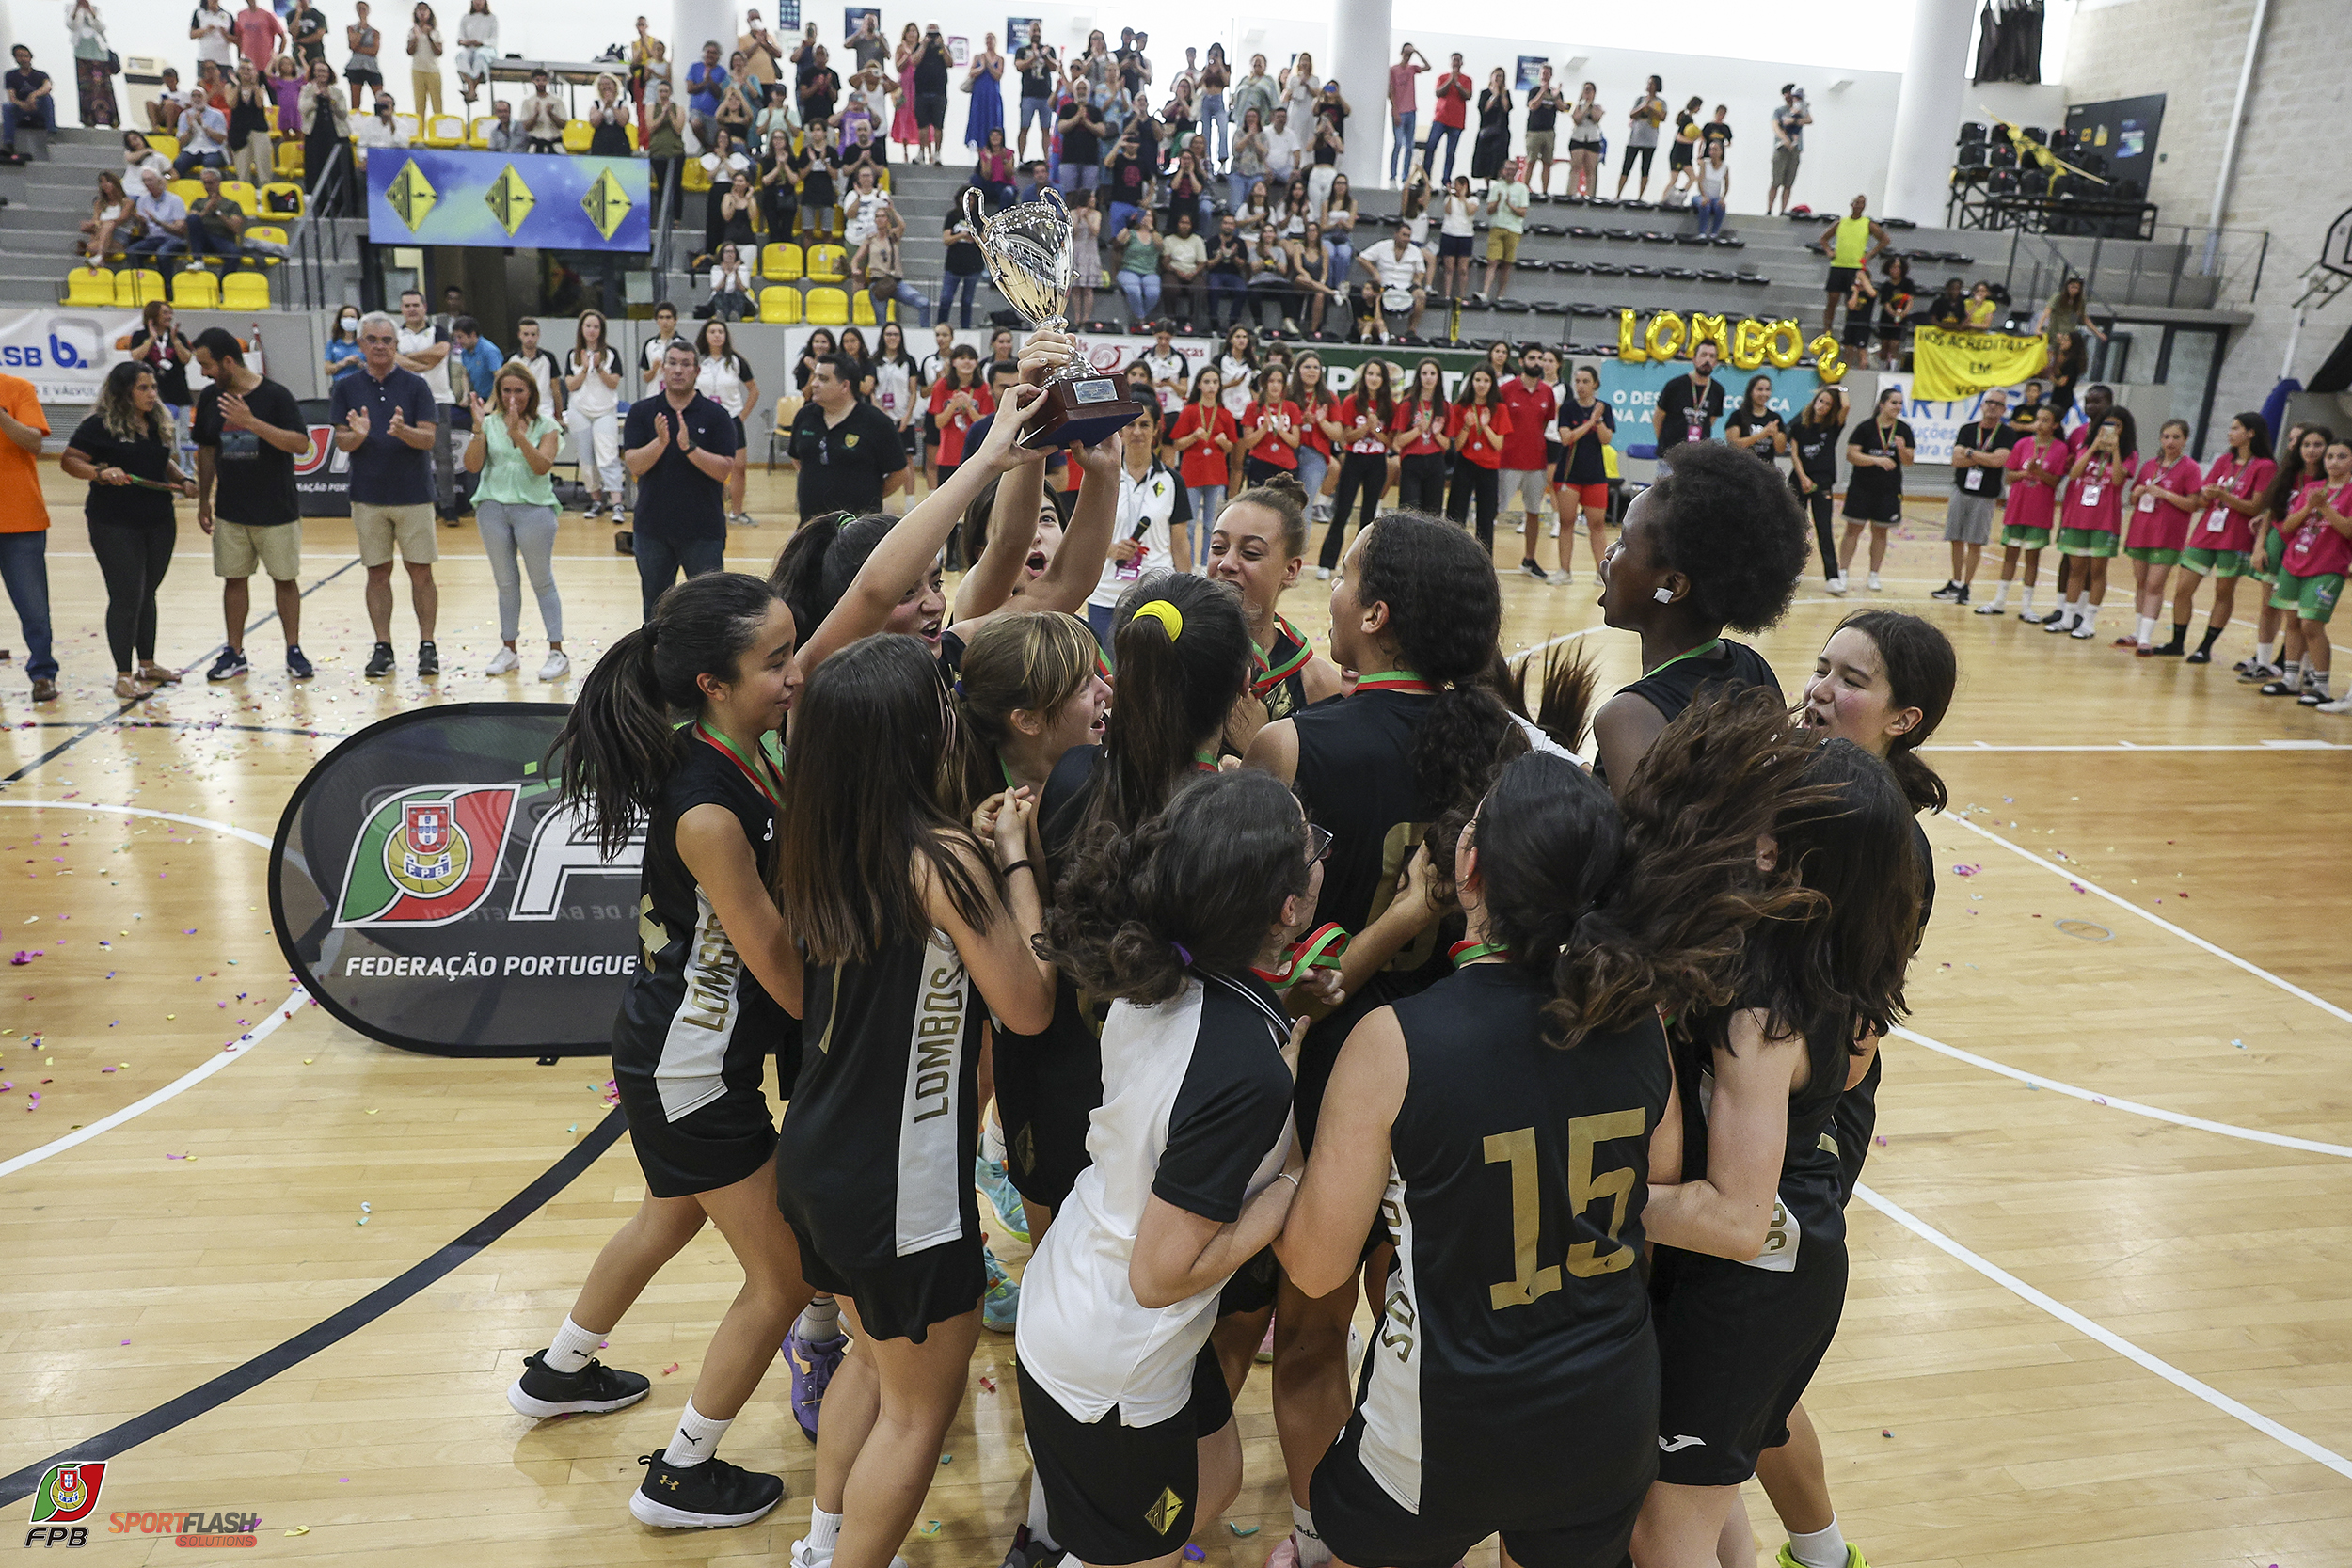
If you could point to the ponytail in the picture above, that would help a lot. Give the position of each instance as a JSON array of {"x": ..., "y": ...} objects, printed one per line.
[{"x": 618, "y": 745}]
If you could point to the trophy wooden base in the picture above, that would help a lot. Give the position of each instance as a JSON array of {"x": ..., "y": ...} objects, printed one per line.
[{"x": 1081, "y": 410}]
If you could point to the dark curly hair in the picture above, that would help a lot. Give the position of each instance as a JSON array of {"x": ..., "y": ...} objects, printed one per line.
[
  {"x": 1445, "y": 615},
  {"x": 1207, "y": 874},
  {"x": 1734, "y": 527}
]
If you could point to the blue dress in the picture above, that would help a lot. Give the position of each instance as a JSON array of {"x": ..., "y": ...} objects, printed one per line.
[{"x": 987, "y": 111}]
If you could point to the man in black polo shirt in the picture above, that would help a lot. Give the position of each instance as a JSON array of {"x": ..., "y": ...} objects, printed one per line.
[
  {"x": 680, "y": 446},
  {"x": 849, "y": 453},
  {"x": 248, "y": 431},
  {"x": 1689, "y": 405},
  {"x": 386, "y": 419}
]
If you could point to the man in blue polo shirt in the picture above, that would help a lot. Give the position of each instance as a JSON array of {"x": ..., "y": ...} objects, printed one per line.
[
  {"x": 680, "y": 446},
  {"x": 386, "y": 419}
]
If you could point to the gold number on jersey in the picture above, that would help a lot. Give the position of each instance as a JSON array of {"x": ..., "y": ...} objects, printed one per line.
[
  {"x": 1584, "y": 1192},
  {"x": 1397, "y": 853},
  {"x": 1528, "y": 1283},
  {"x": 1517, "y": 1150}
]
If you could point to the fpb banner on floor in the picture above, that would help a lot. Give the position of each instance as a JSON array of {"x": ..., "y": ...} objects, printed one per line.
[
  {"x": 64, "y": 354},
  {"x": 1631, "y": 389},
  {"x": 433, "y": 892},
  {"x": 1952, "y": 365},
  {"x": 556, "y": 202}
]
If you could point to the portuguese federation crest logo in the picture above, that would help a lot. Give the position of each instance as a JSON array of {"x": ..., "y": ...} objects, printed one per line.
[
  {"x": 427, "y": 856},
  {"x": 67, "y": 1493}
]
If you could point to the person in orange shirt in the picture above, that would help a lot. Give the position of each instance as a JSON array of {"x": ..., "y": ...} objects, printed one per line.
[
  {"x": 1477, "y": 424},
  {"x": 25, "y": 528}
]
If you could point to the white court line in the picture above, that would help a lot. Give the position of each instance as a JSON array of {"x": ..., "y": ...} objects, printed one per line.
[
  {"x": 235, "y": 1051},
  {"x": 2077, "y": 876},
  {"x": 2109, "y": 1337},
  {"x": 2156, "y": 1112}
]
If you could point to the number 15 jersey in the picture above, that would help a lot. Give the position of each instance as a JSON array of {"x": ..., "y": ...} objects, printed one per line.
[{"x": 1514, "y": 1359}]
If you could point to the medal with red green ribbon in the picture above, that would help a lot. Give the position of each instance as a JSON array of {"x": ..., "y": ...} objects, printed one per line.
[
  {"x": 762, "y": 774},
  {"x": 1321, "y": 949},
  {"x": 1270, "y": 674},
  {"x": 1204, "y": 761},
  {"x": 1395, "y": 680},
  {"x": 1102, "y": 664},
  {"x": 1466, "y": 953}
]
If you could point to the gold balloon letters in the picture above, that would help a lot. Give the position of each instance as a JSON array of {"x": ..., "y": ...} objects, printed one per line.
[{"x": 1748, "y": 345}]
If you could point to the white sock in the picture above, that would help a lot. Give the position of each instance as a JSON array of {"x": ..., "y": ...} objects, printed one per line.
[
  {"x": 573, "y": 1346},
  {"x": 2319, "y": 681},
  {"x": 2147, "y": 632},
  {"x": 2026, "y": 601},
  {"x": 697, "y": 1437},
  {"x": 1038, "y": 1530},
  {"x": 1312, "y": 1553},
  {"x": 1824, "y": 1548},
  {"x": 992, "y": 1138},
  {"x": 2000, "y": 594},
  {"x": 2088, "y": 614},
  {"x": 824, "y": 1532},
  {"x": 2293, "y": 669},
  {"x": 2262, "y": 651},
  {"x": 820, "y": 1320}
]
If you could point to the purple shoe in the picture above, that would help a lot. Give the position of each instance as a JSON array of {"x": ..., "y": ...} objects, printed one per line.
[{"x": 813, "y": 1366}]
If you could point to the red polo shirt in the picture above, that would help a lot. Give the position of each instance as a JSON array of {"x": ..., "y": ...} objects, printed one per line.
[
  {"x": 1531, "y": 409},
  {"x": 1454, "y": 96}
]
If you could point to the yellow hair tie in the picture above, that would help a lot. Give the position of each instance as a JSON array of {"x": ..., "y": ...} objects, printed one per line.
[{"x": 1167, "y": 614}]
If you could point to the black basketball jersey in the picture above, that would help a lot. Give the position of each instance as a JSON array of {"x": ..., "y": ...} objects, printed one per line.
[
  {"x": 1812, "y": 1189},
  {"x": 694, "y": 1023},
  {"x": 1514, "y": 1356},
  {"x": 1674, "y": 685},
  {"x": 875, "y": 1157},
  {"x": 1355, "y": 779}
]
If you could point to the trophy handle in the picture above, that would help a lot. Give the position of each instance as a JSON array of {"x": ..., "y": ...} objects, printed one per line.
[
  {"x": 1051, "y": 197},
  {"x": 972, "y": 207}
]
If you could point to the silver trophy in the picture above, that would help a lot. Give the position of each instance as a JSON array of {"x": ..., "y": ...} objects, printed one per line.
[{"x": 1027, "y": 250}]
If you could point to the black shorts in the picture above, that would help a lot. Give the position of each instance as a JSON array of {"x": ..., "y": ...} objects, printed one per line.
[
  {"x": 1047, "y": 1087},
  {"x": 741, "y": 448},
  {"x": 1736, "y": 1347},
  {"x": 1366, "y": 1527},
  {"x": 1678, "y": 155},
  {"x": 901, "y": 1299},
  {"x": 931, "y": 109},
  {"x": 1119, "y": 1493},
  {"x": 1868, "y": 506},
  {"x": 712, "y": 1146},
  {"x": 1454, "y": 245},
  {"x": 1251, "y": 1289},
  {"x": 1840, "y": 280},
  {"x": 373, "y": 78}
]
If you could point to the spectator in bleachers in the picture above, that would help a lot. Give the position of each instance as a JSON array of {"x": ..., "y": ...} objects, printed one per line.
[
  {"x": 162, "y": 110},
  {"x": 1140, "y": 266},
  {"x": 1450, "y": 115},
  {"x": 1788, "y": 124},
  {"x": 259, "y": 34},
  {"x": 983, "y": 82},
  {"x": 649, "y": 67},
  {"x": 1544, "y": 103},
  {"x": 212, "y": 84},
  {"x": 609, "y": 119},
  {"x": 203, "y": 138},
  {"x": 30, "y": 103},
  {"x": 1036, "y": 64},
  {"x": 1506, "y": 220},
  {"x": 1338, "y": 217},
  {"x": 1404, "y": 107},
  {"x": 503, "y": 134},
  {"x": 991, "y": 171},
  {"x": 1400, "y": 282},
  {"x": 763, "y": 55},
  {"x": 1682, "y": 155},
  {"x": 966, "y": 266},
  {"x": 819, "y": 90},
  {"x": 1714, "y": 185},
  {"x": 1285, "y": 147},
  {"x": 902, "y": 72},
  {"x": 1894, "y": 295},
  {"x": 248, "y": 143},
  {"x": 1492, "y": 146},
  {"x": 1716, "y": 132},
  {"x": 364, "y": 68},
  {"x": 1216, "y": 75},
  {"x": 1184, "y": 273},
  {"x": 862, "y": 152},
  {"x": 867, "y": 46},
  {"x": 1082, "y": 132},
  {"x": 542, "y": 116},
  {"x": 1257, "y": 91},
  {"x": 379, "y": 129},
  {"x": 879, "y": 269},
  {"x": 93, "y": 80},
  {"x": 865, "y": 208},
  {"x": 776, "y": 179},
  {"x": 665, "y": 147},
  {"x": 137, "y": 157},
  {"x": 1248, "y": 170},
  {"x": 424, "y": 62},
  {"x": 1649, "y": 114},
  {"x": 867, "y": 102},
  {"x": 1585, "y": 141},
  {"x": 162, "y": 218},
  {"x": 284, "y": 82},
  {"x": 1086, "y": 247},
  {"x": 931, "y": 63},
  {"x": 477, "y": 48},
  {"x": 776, "y": 113},
  {"x": 108, "y": 210},
  {"x": 731, "y": 210},
  {"x": 308, "y": 24},
  {"x": 1982, "y": 306},
  {"x": 1322, "y": 282},
  {"x": 730, "y": 284},
  {"x": 734, "y": 114},
  {"x": 1950, "y": 308},
  {"x": 818, "y": 188},
  {"x": 706, "y": 79},
  {"x": 215, "y": 31}
]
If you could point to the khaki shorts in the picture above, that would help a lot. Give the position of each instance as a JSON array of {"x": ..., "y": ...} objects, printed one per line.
[
  {"x": 1785, "y": 166},
  {"x": 382, "y": 527},
  {"x": 1540, "y": 146},
  {"x": 1502, "y": 245},
  {"x": 274, "y": 547}
]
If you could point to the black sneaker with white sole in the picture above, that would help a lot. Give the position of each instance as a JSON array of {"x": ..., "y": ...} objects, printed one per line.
[
  {"x": 380, "y": 662},
  {"x": 713, "y": 1495},
  {"x": 298, "y": 664},
  {"x": 1949, "y": 592},
  {"x": 1532, "y": 570},
  {"x": 595, "y": 1389},
  {"x": 229, "y": 666},
  {"x": 428, "y": 660}
]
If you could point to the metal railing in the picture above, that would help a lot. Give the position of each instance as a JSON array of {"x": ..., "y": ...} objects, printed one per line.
[
  {"x": 2184, "y": 266},
  {"x": 316, "y": 244}
]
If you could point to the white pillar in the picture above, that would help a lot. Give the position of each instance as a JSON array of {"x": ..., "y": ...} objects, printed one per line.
[
  {"x": 1927, "y": 115},
  {"x": 1358, "y": 56},
  {"x": 695, "y": 23}
]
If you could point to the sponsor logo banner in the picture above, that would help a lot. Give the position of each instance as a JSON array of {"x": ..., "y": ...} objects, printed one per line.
[
  {"x": 64, "y": 352},
  {"x": 433, "y": 891}
]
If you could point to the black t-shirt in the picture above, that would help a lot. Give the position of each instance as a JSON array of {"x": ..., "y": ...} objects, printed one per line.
[
  {"x": 1080, "y": 144},
  {"x": 844, "y": 466},
  {"x": 1976, "y": 480},
  {"x": 1128, "y": 178},
  {"x": 1585, "y": 465},
  {"x": 145, "y": 459},
  {"x": 25, "y": 84},
  {"x": 1869, "y": 479},
  {"x": 963, "y": 253},
  {"x": 1712, "y": 133},
  {"x": 821, "y": 88},
  {"x": 1689, "y": 416},
  {"x": 253, "y": 481},
  {"x": 1038, "y": 76},
  {"x": 1948, "y": 311},
  {"x": 1815, "y": 447},
  {"x": 677, "y": 499},
  {"x": 1744, "y": 423},
  {"x": 930, "y": 67},
  {"x": 1541, "y": 108},
  {"x": 169, "y": 359}
]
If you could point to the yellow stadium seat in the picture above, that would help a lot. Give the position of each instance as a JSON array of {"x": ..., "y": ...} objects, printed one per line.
[
  {"x": 478, "y": 133},
  {"x": 89, "y": 286},
  {"x": 780, "y": 262},
  {"x": 245, "y": 291},
  {"x": 159, "y": 141},
  {"x": 290, "y": 159},
  {"x": 827, "y": 264},
  {"x": 241, "y": 192},
  {"x": 697, "y": 177},
  {"x": 408, "y": 126},
  {"x": 577, "y": 135},
  {"x": 195, "y": 289},
  {"x": 632, "y": 135},
  {"x": 862, "y": 309},
  {"x": 444, "y": 131},
  {"x": 271, "y": 233},
  {"x": 270, "y": 111},
  {"x": 282, "y": 187},
  {"x": 190, "y": 192},
  {"x": 136, "y": 287},
  {"x": 827, "y": 307},
  {"x": 778, "y": 306},
  {"x": 882, "y": 179}
]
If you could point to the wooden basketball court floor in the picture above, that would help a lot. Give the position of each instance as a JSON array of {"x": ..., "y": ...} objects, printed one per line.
[{"x": 2101, "y": 1312}]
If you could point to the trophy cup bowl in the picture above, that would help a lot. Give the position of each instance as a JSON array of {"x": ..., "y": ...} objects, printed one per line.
[{"x": 1027, "y": 250}]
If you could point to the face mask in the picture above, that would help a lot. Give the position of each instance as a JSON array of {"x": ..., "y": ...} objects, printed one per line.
[{"x": 349, "y": 325}]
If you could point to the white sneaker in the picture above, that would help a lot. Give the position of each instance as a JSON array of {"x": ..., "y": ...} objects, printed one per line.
[
  {"x": 1838, "y": 585},
  {"x": 559, "y": 664},
  {"x": 804, "y": 1556},
  {"x": 1323, "y": 574},
  {"x": 2340, "y": 704},
  {"x": 1874, "y": 582},
  {"x": 503, "y": 662}
]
